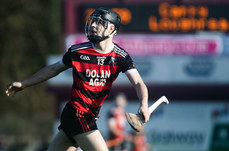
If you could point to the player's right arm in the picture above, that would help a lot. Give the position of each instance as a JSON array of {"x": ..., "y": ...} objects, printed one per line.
[{"x": 40, "y": 76}]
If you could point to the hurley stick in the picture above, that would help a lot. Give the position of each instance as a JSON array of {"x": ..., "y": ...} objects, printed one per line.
[{"x": 137, "y": 121}]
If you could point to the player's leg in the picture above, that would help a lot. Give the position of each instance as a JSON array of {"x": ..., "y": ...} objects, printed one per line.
[
  {"x": 61, "y": 143},
  {"x": 91, "y": 141}
]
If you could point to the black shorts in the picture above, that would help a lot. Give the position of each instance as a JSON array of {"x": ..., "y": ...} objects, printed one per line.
[{"x": 75, "y": 122}]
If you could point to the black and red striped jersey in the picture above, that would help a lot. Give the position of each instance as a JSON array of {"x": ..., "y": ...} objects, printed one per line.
[{"x": 93, "y": 74}]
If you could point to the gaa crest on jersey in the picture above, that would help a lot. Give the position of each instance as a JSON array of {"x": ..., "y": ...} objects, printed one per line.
[{"x": 84, "y": 57}]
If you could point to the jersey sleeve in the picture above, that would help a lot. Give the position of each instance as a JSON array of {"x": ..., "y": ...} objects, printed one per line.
[
  {"x": 67, "y": 58},
  {"x": 127, "y": 63}
]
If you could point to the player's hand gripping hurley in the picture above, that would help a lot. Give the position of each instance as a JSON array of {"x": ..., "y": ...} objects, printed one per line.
[{"x": 136, "y": 121}]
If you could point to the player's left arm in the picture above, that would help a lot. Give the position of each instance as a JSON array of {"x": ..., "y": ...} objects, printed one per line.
[{"x": 142, "y": 91}]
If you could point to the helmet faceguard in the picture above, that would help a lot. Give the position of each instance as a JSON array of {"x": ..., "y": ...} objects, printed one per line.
[{"x": 102, "y": 17}]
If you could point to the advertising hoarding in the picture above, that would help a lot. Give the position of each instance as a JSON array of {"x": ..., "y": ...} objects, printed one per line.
[{"x": 149, "y": 45}]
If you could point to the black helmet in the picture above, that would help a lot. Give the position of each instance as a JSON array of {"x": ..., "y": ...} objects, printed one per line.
[
  {"x": 108, "y": 15},
  {"x": 104, "y": 16}
]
